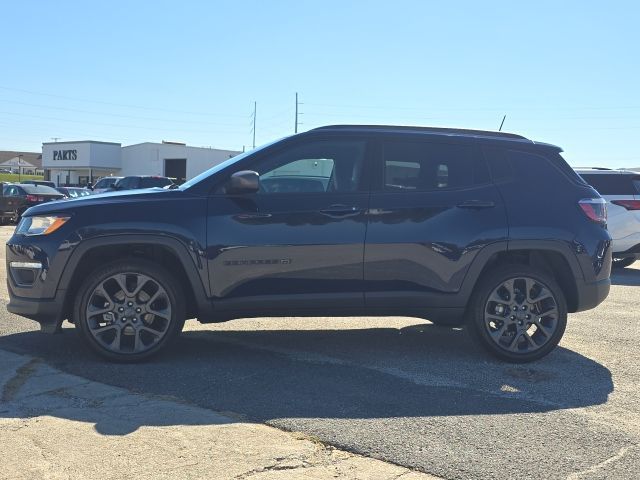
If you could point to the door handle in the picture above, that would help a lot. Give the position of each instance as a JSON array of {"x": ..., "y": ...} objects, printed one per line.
[
  {"x": 476, "y": 204},
  {"x": 337, "y": 211}
]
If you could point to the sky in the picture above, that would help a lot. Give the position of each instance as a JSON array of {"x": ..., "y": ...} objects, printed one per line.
[{"x": 566, "y": 73}]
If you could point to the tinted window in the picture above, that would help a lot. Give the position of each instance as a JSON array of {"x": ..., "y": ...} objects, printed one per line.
[
  {"x": 613, "y": 183},
  {"x": 321, "y": 166},
  {"x": 148, "y": 182},
  {"x": 432, "y": 166},
  {"x": 128, "y": 183},
  {"x": 11, "y": 191},
  {"x": 106, "y": 182},
  {"x": 499, "y": 165}
]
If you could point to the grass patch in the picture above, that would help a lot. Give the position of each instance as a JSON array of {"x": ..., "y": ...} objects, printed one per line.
[{"x": 14, "y": 177}]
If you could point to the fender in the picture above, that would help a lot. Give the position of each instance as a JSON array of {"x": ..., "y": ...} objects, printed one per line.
[
  {"x": 482, "y": 258},
  {"x": 187, "y": 260}
]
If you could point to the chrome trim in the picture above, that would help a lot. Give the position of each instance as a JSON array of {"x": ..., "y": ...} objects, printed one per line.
[{"x": 32, "y": 265}]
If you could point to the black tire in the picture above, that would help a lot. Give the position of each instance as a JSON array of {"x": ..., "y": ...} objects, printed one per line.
[
  {"x": 170, "y": 294},
  {"x": 623, "y": 262},
  {"x": 531, "y": 338}
]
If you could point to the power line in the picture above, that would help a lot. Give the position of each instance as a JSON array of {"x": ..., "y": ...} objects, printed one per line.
[
  {"x": 141, "y": 107},
  {"x": 119, "y": 115}
]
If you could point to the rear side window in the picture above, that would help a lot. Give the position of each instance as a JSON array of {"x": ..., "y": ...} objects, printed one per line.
[
  {"x": 149, "y": 182},
  {"x": 422, "y": 166},
  {"x": 537, "y": 161},
  {"x": 613, "y": 183}
]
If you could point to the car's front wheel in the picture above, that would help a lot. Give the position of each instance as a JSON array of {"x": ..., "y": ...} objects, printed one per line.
[
  {"x": 129, "y": 310},
  {"x": 517, "y": 313}
]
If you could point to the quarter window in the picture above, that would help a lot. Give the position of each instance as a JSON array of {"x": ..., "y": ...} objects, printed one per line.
[{"x": 422, "y": 166}]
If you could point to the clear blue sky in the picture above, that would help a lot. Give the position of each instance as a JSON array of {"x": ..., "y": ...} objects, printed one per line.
[{"x": 563, "y": 72}]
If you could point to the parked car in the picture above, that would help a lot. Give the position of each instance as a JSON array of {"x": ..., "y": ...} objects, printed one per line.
[
  {"x": 621, "y": 190},
  {"x": 16, "y": 198},
  {"x": 486, "y": 230},
  {"x": 74, "y": 192},
  {"x": 135, "y": 182},
  {"x": 46, "y": 183},
  {"x": 105, "y": 184}
]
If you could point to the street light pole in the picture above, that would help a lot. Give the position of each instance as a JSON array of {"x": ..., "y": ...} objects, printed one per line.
[{"x": 19, "y": 169}]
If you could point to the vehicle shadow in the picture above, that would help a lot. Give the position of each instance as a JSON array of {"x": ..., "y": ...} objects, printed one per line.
[
  {"x": 418, "y": 371},
  {"x": 626, "y": 276}
]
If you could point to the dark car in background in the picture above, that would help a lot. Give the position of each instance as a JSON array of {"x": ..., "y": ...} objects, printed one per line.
[
  {"x": 135, "y": 182},
  {"x": 16, "y": 198},
  {"x": 74, "y": 192},
  {"x": 105, "y": 184}
]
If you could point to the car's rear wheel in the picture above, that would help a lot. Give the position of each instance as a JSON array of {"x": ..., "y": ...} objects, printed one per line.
[
  {"x": 517, "y": 313},
  {"x": 622, "y": 262},
  {"x": 129, "y": 310}
]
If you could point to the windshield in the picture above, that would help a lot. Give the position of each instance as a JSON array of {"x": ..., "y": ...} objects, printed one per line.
[
  {"x": 221, "y": 166},
  {"x": 106, "y": 182}
]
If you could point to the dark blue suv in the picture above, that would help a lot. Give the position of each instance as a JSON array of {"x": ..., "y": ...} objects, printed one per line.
[{"x": 488, "y": 230}]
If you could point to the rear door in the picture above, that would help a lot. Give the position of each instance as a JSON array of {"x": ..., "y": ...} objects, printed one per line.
[{"x": 432, "y": 209}]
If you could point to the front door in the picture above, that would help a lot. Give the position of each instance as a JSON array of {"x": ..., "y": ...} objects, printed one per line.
[
  {"x": 432, "y": 208},
  {"x": 298, "y": 242}
]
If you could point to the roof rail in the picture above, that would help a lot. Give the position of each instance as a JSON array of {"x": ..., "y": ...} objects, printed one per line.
[{"x": 446, "y": 131}]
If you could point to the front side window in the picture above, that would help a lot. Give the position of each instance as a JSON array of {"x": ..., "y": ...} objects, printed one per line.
[
  {"x": 318, "y": 167},
  {"x": 423, "y": 166}
]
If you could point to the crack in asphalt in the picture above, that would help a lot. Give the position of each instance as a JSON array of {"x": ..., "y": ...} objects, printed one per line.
[
  {"x": 599, "y": 466},
  {"x": 23, "y": 373}
]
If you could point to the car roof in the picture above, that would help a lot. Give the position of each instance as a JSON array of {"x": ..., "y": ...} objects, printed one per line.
[
  {"x": 146, "y": 176},
  {"x": 604, "y": 171},
  {"x": 436, "y": 131}
]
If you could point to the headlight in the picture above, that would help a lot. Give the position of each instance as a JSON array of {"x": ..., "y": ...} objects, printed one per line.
[{"x": 40, "y": 225}]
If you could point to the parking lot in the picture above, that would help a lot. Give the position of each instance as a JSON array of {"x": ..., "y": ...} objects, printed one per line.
[{"x": 399, "y": 390}]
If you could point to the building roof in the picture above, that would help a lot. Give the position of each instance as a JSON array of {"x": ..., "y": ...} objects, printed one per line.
[{"x": 33, "y": 158}]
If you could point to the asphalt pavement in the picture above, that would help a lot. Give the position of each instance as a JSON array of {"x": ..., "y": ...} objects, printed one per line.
[{"x": 400, "y": 389}]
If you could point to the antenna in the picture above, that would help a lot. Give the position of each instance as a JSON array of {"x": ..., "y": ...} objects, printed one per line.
[
  {"x": 502, "y": 123},
  {"x": 55, "y": 139}
]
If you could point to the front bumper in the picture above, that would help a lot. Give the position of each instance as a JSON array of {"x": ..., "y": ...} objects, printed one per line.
[{"x": 47, "y": 312}]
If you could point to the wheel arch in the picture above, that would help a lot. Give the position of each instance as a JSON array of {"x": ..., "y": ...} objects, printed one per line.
[
  {"x": 552, "y": 257},
  {"x": 169, "y": 253}
]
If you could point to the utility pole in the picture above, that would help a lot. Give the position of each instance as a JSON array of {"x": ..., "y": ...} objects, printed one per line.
[
  {"x": 296, "y": 127},
  {"x": 255, "y": 110},
  {"x": 19, "y": 168}
]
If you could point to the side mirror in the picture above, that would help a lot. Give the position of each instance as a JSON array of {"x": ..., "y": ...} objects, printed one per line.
[{"x": 243, "y": 182}]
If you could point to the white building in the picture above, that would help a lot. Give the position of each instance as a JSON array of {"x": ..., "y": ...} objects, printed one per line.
[{"x": 81, "y": 162}]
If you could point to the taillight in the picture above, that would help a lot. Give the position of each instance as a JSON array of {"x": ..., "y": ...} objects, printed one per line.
[
  {"x": 628, "y": 204},
  {"x": 34, "y": 198},
  {"x": 595, "y": 209}
]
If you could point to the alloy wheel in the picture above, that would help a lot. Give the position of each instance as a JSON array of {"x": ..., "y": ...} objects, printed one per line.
[
  {"x": 521, "y": 315},
  {"x": 128, "y": 313}
]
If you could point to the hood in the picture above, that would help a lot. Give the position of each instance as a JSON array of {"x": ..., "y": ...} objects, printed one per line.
[{"x": 115, "y": 198}]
